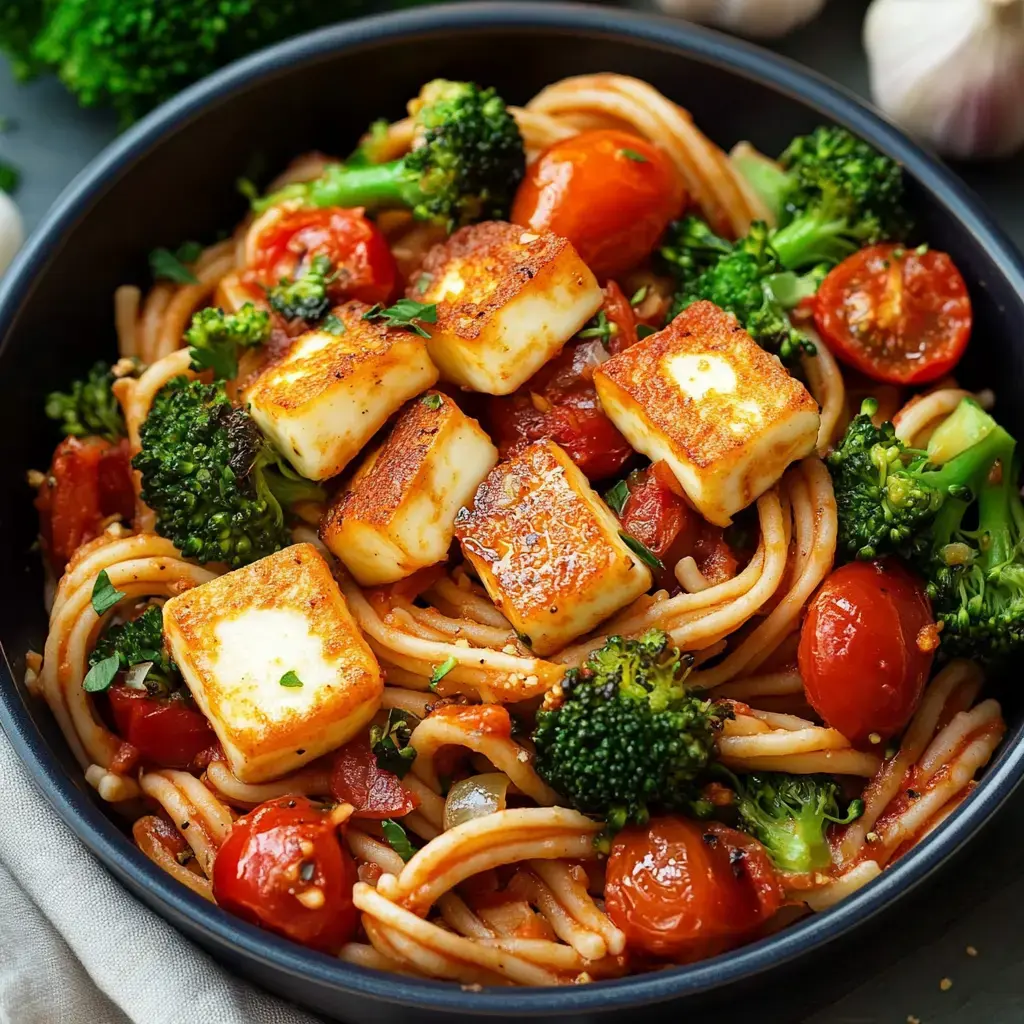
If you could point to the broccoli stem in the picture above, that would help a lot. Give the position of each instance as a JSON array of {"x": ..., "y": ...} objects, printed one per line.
[
  {"x": 811, "y": 239},
  {"x": 764, "y": 176},
  {"x": 376, "y": 186}
]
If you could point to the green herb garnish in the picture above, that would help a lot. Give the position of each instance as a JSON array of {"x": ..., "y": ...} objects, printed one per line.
[
  {"x": 101, "y": 675},
  {"x": 290, "y": 679},
  {"x": 405, "y": 313},
  {"x": 170, "y": 266},
  {"x": 104, "y": 594},
  {"x": 397, "y": 839},
  {"x": 390, "y": 743},
  {"x": 616, "y": 497},
  {"x": 644, "y": 553}
]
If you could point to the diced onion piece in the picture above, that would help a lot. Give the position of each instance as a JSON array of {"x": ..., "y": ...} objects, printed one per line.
[
  {"x": 135, "y": 677},
  {"x": 475, "y": 797}
]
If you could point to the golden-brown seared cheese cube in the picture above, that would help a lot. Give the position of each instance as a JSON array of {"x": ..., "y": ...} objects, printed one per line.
[
  {"x": 332, "y": 392},
  {"x": 547, "y": 549},
  {"x": 507, "y": 300},
  {"x": 705, "y": 397},
  {"x": 275, "y": 661},
  {"x": 398, "y": 513}
]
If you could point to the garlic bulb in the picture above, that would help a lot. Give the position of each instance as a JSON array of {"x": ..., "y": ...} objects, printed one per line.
[
  {"x": 12, "y": 231},
  {"x": 766, "y": 19},
  {"x": 950, "y": 71}
]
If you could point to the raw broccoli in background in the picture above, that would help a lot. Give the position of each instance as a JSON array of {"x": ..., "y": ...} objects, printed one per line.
[
  {"x": 622, "y": 735},
  {"x": 465, "y": 166},
  {"x": 953, "y": 511},
  {"x": 214, "y": 481},
  {"x": 790, "y": 815},
  {"x": 832, "y": 194},
  {"x": 89, "y": 407},
  {"x": 133, "y": 54},
  {"x": 746, "y": 278}
]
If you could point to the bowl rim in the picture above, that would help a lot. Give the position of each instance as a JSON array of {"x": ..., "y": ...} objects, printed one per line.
[{"x": 232, "y": 936}]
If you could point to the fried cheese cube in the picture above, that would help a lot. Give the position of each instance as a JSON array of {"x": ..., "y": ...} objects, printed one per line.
[
  {"x": 332, "y": 392},
  {"x": 507, "y": 300},
  {"x": 275, "y": 661},
  {"x": 547, "y": 549},
  {"x": 398, "y": 512},
  {"x": 704, "y": 396}
]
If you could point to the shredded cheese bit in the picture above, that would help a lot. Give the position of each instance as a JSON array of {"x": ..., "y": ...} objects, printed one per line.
[
  {"x": 872, "y": 837},
  {"x": 946, "y": 984},
  {"x": 311, "y": 899}
]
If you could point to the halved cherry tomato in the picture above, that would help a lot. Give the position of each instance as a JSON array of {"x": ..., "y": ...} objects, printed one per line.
[
  {"x": 166, "y": 731},
  {"x": 612, "y": 194},
  {"x": 283, "y": 867},
  {"x": 373, "y": 792},
  {"x": 560, "y": 402},
  {"x": 899, "y": 315},
  {"x": 866, "y": 649},
  {"x": 363, "y": 262},
  {"x": 89, "y": 480},
  {"x": 684, "y": 890}
]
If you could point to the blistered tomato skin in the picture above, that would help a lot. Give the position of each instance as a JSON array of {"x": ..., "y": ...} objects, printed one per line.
[
  {"x": 683, "y": 890},
  {"x": 283, "y": 867},
  {"x": 612, "y": 194},
  {"x": 901, "y": 316},
  {"x": 866, "y": 649}
]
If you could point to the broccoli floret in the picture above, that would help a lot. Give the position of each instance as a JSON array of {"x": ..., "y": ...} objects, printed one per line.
[
  {"x": 836, "y": 195},
  {"x": 89, "y": 408},
  {"x": 133, "y": 54},
  {"x": 215, "y": 338},
  {"x": 465, "y": 165},
  {"x": 887, "y": 495},
  {"x": 622, "y": 735},
  {"x": 790, "y": 814},
  {"x": 745, "y": 278},
  {"x": 214, "y": 481},
  {"x": 139, "y": 641},
  {"x": 306, "y": 297}
]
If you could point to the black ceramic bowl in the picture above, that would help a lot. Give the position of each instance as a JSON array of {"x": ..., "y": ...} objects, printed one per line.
[{"x": 173, "y": 177}]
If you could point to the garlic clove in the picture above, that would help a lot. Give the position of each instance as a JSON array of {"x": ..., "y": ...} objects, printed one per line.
[
  {"x": 12, "y": 230},
  {"x": 951, "y": 73},
  {"x": 764, "y": 19}
]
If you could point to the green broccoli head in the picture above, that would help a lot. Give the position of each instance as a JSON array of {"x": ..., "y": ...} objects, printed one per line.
[
  {"x": 842, "y": 194},
  {"x": 20, "y": 22},
  {"x": 790, "y": 815},
  {"x": 623, "y": 735},
  {"x": 212, "y": 478},
  {"x": 215, "y": 338},
  {"x": 745, "y": 278},
  {"x": 888, "y": 496},
  {"x": 89, "y": 408},
  {"x": 306, "y": 297},
  {"x": 137, "y": 642},
  {"x": 465, "y": 165},
  {"x": 133, "y": 54}
]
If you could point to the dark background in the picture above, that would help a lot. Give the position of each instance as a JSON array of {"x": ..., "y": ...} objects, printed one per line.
[{"x": 891, "y": 972}]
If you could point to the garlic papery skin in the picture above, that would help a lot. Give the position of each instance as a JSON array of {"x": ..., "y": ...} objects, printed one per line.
[
  {"x": 12, "y": 230},
  {"x": 760, "y": 19},
  {"x": 950, "y": 72}
]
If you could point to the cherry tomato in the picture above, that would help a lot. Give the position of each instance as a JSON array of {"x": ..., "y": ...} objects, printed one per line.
[
  {"x": 89, "y": 480},
  {"x": 898, "y": 315},
  {"x": 363, "y": 262},
  {"x": 684, "y": 890},
  {"x": 620, "y": 313},
  {"x": 612, "y": 194},
  {"x": 283, "y": 867},
  {"x": 166, "y": 731},
  {"x": 866, "y": 649},
  {"x": 373, "y": 792}
]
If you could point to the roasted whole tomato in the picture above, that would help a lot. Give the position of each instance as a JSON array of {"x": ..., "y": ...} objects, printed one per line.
[
  {"x": 363, "y": 262},
  {"x": 284, "y": 868},
  {"x": 166, "y": 731},
  {"x": 902, "y": 316},
  {"x": 684, "y": 890},
  {"x": 866, "y": 649},
  {"x": 612, "y": 194},
  {"x": 374, "y": 793},
  {"x": 559, "y": 402},
  {"x": 89, "y": 480}
]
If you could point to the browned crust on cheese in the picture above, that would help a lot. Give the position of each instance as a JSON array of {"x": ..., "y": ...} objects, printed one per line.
[
  {"x": 368, "y": 342},
  {"x": 378, "y": 489},
  {"x": 539, "y": 540},
  {"x": 296, "y": 577},
  {"x": 495, "y": 264},
  {"x": 699, "y": 437}
]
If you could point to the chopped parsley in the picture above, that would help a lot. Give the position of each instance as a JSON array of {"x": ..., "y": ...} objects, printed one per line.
[
  {"x": 101, "y": 675},
  {"x": 632, "y": 154},
  {"x": 642, "y": 551},
  {"x": 406, "y": 313},
  {"x": 290, "y": 679},
  {"x": 616, "y": 497},
  {"x": 104, "y": 594},
  {"x": 432, "y": 401},
  {"x": 171, "y": 266},
  {"x": 390, "y": 743},
  {"x": 440, "y": 671},
  {"x": 333, "y": 324},
  {"x": 397, "y": 839}
]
